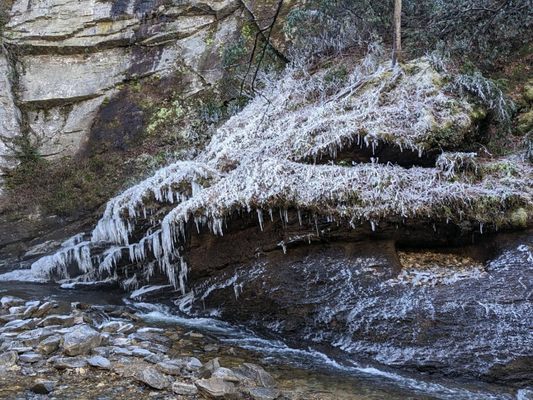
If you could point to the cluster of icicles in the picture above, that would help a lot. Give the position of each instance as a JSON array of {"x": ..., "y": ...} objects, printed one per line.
[
  {"x": 256, "y": 163},
  {"x": 170, "y": 185}
]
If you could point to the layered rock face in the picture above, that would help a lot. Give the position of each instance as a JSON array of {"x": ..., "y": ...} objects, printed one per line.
[
  {"x": 63, "y": 61},
  {"x": 462, "y": 311}
]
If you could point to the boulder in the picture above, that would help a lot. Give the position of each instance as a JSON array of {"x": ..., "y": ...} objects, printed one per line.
[{"x": 81, "y": 340}]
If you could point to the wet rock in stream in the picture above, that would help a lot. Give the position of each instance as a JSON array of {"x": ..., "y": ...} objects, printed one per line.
[{"x": 59, "y": 354}]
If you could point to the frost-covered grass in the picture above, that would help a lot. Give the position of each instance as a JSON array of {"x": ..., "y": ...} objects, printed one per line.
[{"x": 259, "y": 161}]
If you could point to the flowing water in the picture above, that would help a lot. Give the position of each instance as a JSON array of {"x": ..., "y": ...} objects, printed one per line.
[{"x": 308, "y": 371}]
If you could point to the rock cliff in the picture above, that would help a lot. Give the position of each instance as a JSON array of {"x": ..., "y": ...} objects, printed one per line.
[{"x": 63, "y": 62}]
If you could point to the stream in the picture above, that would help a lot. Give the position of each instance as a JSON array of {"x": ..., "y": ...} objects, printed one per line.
[{"x": 305, "y": 372}]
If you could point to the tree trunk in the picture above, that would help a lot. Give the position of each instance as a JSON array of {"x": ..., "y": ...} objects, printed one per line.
[{"x": 397, "y": 39}]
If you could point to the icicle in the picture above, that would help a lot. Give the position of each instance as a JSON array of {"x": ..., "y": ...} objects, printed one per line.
[{"x": 260, "y": 218}]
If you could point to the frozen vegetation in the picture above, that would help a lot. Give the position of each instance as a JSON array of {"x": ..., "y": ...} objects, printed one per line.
[{"x": 263, "y": 161}]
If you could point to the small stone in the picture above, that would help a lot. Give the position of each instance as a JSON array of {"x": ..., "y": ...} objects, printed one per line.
[
  {"x": 119, "y": 351},
  {"x": 264, "y": 393},
  {"x": 17, "y": 310},
  {"x": 99, "y": 362},
  {"x": 183, "y": 388},
  {"x": 81, "y": 340},
  {"x": 169, "y": 367},
  {"x": 215, "y": 387},
  {"x": 43, "y": 387},
  {"x": 68, "y": 362},
  {"x": 35, "y": 336},
  {"x": 32, "y": 303},
  {"x": 9, "y": 301},
  {"x": 49, "y": 345},
  {"x": 211, "y": 347},
  {"x": 209, "y": 367},
  {"x": 43, "y": 309},
  {"x": 8, "y": 359},
  {"x": 257, "y": 374},
  {"x": 30, "y": 358},
  {"x": 10, "y": 317},
  {"x": 153, "y": 378},
  {"x": 20, "y": 325},
  {"x": 118, "y": 327},
  {"x": 226, "y": 374},
  {"x": 193, "y": 364},
  {"x": 30, "y": 310},
  {"x": 62, "y": 320},
  {"x": 139, "y": 352},
  {"x": 101, "y": 351}
]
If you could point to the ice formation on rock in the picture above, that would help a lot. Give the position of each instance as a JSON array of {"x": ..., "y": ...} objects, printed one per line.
[{"x": 262, "y": 160}]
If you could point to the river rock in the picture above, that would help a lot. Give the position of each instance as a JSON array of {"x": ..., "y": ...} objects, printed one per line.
[
  {"x": 257, "y": 374},
  {"x": 169, "y": 367},
  {"x": 30, "y": 358},
  {"x": 226, "y": 374},
  {"x": 184, "y": 389},
  {"x": 81, "y": 340},
  {"x": 8, "y": 359},
  {"x": 17, "y": 310},
  {"x": 263, "y": 393},
  {"x": 209, "y": 367},
  {"x": 68, "y": 362},
  {"x": 193, "y": 364},
  {"x": 10, "y": 301},
  {"x": 153, "y": 378},
  {"x": 61, "y": 320},
  {"x": 215, "y": 388},
  {"x": 140, "y": 352},
  {"x": 10, "y": 317},
  {"x": 31, "y": 309},
  {"x": 43, "y": 387},
  {"x": 20, "y": 325},
  {"x": 43, "y": 309},
  {"x": 99, "y": 362},
  {"x": 117, "y": 327},
  {"x": 49, "y": 345},
  {"x": 35, "y": 336}
]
